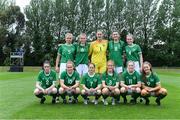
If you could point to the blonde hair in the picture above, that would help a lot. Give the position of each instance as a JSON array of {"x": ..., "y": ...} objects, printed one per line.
[
  {"x": 70, "y": 62},
  {"x": 68, "y": 34},
  {"x": 130, "y": 62}
]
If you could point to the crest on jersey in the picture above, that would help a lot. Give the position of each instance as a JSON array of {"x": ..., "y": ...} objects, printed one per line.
[{"x": 95, "y": 80}]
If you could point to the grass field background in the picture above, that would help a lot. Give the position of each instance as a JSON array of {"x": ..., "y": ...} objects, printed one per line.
[{"x": 18, "y": 102}]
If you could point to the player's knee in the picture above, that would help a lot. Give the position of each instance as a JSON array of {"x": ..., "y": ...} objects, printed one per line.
[
  {"x": 163, "y": 91},
  {"x": 36, "y": 91},
  {"x": 54, "y": 90},
  {"x": 105, "y": 91},
  {"x": 123, "y": 90},
  {"x": 98, "y": 92},
  {"x": 77, "y": 90},
  {"x": 61, "y": 90},
  {"x": 138, "y": 90},
  {"x": 144, "y": 92},
  {"x": 116, "y": 91},
  {"x": 83, "y": 92}
]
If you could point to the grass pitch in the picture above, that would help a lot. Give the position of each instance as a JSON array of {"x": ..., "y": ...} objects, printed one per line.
[{"x": 18, "y": 102}]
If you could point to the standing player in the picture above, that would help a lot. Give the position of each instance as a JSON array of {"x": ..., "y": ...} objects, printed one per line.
[
  {"x": 110, "y": 83},
  {"x": 45, "y": 84},
  {"x": 69, "y": 81},
  {"x": 133, "y": 53},
  {"x": 130, "y": 83},
  {"x": 91, "y": 84},
  {"x": 97, "y": 52},
  {"x": 81, "y": 57},
  {"x": 115, "y": 52},
  {"x": 65, "y": 52},
  {"x": 151, "y": 84}
]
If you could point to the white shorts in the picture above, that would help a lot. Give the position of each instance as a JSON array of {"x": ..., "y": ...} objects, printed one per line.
[
  {"x": 119, "y": 69},
  {"x": 137, "y": 66},
  {"x": 82, "y": 69},
  {"x": 62, "y": 68}
]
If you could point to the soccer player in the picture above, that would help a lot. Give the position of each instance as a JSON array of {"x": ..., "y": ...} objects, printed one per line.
[
  {"x": 110, "y": 83},
  {"x": 130, "y": 83},
  {"x": 97, "y": 52},
  {"x": 151, "y": 85},
  {"x": 65, "y": 52},
  {"x": 69, "y": 82},
  {"x": 91, "y": 84},
  {"x": 134, "y": 53},
  {"x": 45, "y": 84},
  {"x": 115, "y": 52},
  {"x": 81, "y": 55}
]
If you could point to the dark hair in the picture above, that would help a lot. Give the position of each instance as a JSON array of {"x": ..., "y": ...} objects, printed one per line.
[
  {"x": 91, "y": 64},
  {"x": 46, "y": 62},
  {"x": 143, "y": 72}
]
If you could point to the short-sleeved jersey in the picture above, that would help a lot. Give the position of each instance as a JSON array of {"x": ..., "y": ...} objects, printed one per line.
[
  {"x": 130, "y": 78},
  {"x": 132, "y": 52},
  {"x": 46, "y": 80},
  {"x": 81, "y": 54},
  {"x": 69, "y": 80},
  {"x": 115, "y": 52},
  {"x": 110, "y": 80},
  {"x": 98, "y": 51},
  {"x": 91, "y": 81},
  {"x": 67, "y": 52},
  {"x": 151, "y": 81}
]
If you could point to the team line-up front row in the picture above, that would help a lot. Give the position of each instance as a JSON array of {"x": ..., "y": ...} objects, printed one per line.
[{"x": 109, "y": 84}]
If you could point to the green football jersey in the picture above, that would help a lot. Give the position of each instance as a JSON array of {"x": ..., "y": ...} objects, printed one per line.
[
  {"x": 132, "y": 52},
  {"x": 130, "y": 78},
  {"x": 151, "y": 80},
  {"x": 81, "y": 52},
  {"x": 69, "y": 80},
  {"x": 110, "y": 80},
  {"x": 91, "y": 81},
  {"x": 115, "y": 52},
  {"x": 67, "y": 52},
  {"x": 46, "y": 80}
]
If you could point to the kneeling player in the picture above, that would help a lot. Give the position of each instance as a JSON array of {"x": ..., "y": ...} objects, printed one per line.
[
  {"x": 110, "y": 83},
  {"x": 69, "y": 82},
  {"x": 91, "y": 84},
  {"x": 130, "y": 83},
  {"x": 151, "y": 85},
  {"x": 45, "y": 84}
]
